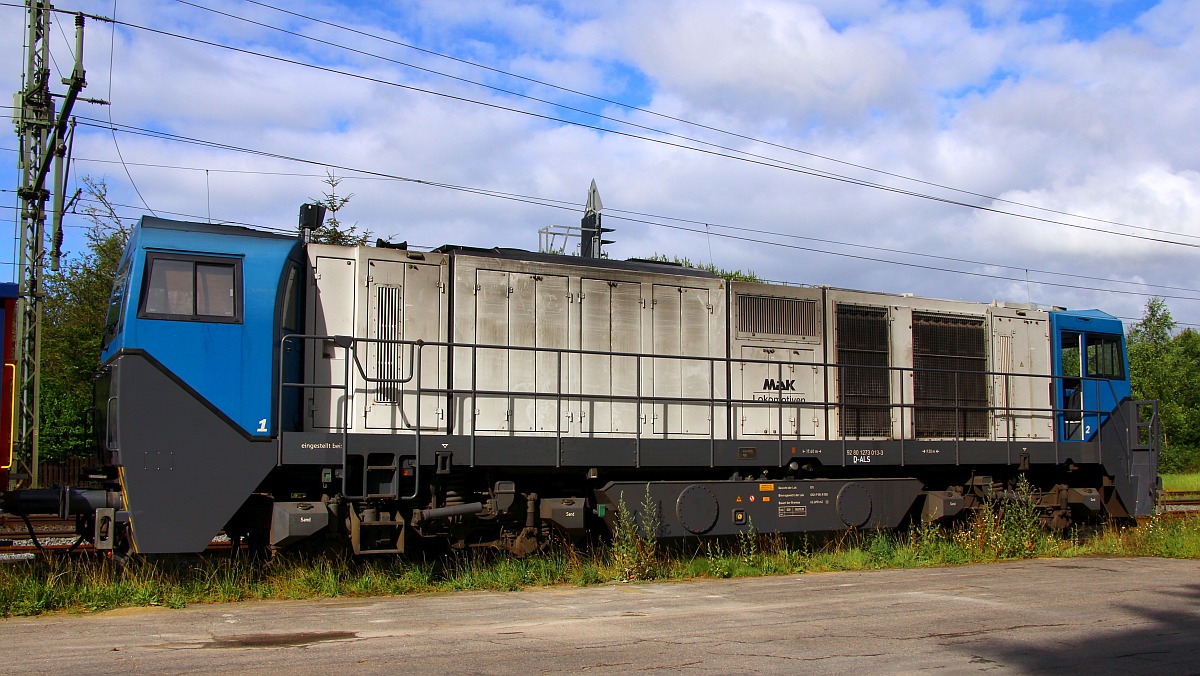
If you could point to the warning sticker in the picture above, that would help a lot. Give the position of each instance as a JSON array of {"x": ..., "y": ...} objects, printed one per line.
[{"x": 766, "y": 487}]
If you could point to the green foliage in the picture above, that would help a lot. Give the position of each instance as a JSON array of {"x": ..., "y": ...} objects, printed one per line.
[
  {"x": 634, "y": 549},
  {"x": 1006, "y": 527},
  {"x": 72, "y": 326},
  {"x": 730, "y": 275},
  {"x": 1166, "y": 368},
  {"x": 1181, "y": 482},
  {"x": 333, "y": 231},
  {"x": 1003, "y": 530}
]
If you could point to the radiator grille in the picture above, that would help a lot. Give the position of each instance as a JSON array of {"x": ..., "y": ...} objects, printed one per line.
[
  {"x": 764, "y": 315},
  {"x": 388, "y": 355},
  {"x": 864, "y": 384},
  {"x": 950, "y": 387}
]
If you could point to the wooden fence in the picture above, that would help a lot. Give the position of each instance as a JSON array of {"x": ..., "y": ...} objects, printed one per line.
[{"x": 64, "y": 473}]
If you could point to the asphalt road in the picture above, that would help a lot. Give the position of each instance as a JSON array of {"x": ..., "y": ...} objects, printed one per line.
[{"x": 1134, "y": 616}]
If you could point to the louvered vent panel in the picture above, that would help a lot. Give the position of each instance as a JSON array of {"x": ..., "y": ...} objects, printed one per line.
[
  {"x": 949, "y": 381},
  {"x": 864, "y": 382},
  {"x": 388, "y": 355},
  {"x": 763, "y": 315}
]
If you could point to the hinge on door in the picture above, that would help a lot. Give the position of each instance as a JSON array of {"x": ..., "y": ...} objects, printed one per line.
[
  {"x": 478, "y": 289},
  {"x": 370, "y": 278}
]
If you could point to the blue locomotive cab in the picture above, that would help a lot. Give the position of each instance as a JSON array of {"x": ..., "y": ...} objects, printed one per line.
[
  {"x": 189, "y": 296},
  {"x": 1091, "y": 376},
  {"x": 186, "y": 393}
]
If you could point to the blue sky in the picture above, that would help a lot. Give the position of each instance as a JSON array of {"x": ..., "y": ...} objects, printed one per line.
[{"x": 1081, "y": 114}]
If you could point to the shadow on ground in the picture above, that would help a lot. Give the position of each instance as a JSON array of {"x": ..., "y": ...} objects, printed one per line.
[{"x": 1145, "y": 640}]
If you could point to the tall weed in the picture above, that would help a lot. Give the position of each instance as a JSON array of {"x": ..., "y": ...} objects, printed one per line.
[
  {"x": 634, "y": 550},
  {"x": 1005, "y": 527}
]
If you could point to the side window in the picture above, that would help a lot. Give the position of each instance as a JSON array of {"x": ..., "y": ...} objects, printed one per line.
[
  {"x": 1104, "y": 358},
  {"x": 290, "y": 302},
  {"x": 115, "y": 314},
  {"x": 192, "y": 288},
  {"x": 1070, "y": 355}
]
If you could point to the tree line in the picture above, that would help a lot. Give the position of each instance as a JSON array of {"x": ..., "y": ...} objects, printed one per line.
[{"x": 1165, "y": 366}]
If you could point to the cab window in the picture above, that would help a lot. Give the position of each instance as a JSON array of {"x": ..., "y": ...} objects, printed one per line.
[
  {"x": 1104, "y": 356},
  {"x": 192, "y": 288}
]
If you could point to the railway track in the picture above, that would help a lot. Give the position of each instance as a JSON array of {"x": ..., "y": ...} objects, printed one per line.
[
  {"x": 44, "y": 525},
  {"x": 1179, "y": 503},
  {"x": 55, "y": 535}
]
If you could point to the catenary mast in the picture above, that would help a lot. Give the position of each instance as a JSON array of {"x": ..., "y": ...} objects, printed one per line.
[{"x": 42, "y": 133}]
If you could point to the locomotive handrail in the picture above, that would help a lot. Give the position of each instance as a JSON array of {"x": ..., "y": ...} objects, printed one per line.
[
  {"x": 562, "y": 394},
  {"x": 711, "y": 359},
  {"x": 348, "y": 343}
]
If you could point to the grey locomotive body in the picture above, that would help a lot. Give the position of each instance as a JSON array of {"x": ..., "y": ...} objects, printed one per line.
[{"x": 288, "y": 392}]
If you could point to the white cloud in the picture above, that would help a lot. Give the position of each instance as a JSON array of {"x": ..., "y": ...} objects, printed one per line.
[{"x": 1104, "y": 128}]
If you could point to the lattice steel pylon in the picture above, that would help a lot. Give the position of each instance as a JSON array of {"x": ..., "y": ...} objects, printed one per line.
[{"x": 42, "y": 136}]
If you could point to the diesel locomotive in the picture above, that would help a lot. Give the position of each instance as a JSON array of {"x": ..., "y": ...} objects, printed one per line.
[{"x": 287, "y": 392}]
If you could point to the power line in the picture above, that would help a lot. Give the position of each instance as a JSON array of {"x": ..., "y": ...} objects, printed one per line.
[
  {"x": 573, "y": 207},
  {"x": 774, "y": 164},
  {"x": 640, "y": 109},
  {"x": 892, "y": 262},
  {"x": 113, "y": 128},
  {"x": 901, "y": 251},
  {"x": 612, "y": 210},
  {"x": 112, "y": 49}
]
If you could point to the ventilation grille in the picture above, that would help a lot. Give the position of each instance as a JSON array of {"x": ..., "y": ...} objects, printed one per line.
[
  {"x": 864, "y": 383},
  {"x": 949, "y": 381},
  {"x": 1004, "y": 364},
  {"x": 388, "y": 355},
  {"x": 763, "y": 315}
]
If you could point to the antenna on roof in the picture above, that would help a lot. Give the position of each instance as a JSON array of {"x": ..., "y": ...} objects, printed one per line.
[{"x": 592, "y": 232}]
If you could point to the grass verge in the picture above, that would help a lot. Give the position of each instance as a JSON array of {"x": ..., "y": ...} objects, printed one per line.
[
  {"x": 1000, "y": 532},
  {"x": 1181, "y": 482}
]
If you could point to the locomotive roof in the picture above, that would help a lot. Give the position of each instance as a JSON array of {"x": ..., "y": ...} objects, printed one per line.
[
  {"x": 638, "y": 265},
  {"x": 211, "y": 228}
]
